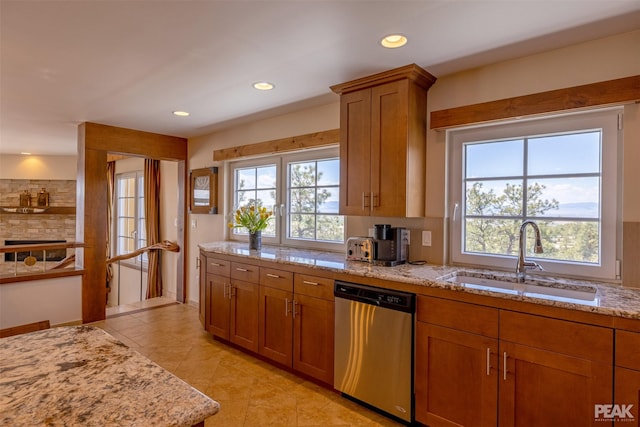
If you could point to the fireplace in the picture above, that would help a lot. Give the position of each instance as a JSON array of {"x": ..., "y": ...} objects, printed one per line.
[{"x": 52, "y": 254}]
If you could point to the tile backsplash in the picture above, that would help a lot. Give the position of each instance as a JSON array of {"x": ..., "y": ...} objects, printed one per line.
[{"x": 62, "y": 193}]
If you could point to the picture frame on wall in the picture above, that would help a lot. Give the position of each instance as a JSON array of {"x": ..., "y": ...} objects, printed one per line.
[{"x": 203, "y": 191}]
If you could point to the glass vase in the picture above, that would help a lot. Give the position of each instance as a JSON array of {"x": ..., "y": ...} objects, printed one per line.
[{"x": 255, "y": 240}]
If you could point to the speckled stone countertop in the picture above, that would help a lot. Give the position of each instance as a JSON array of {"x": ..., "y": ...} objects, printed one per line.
[
  {"x": 611, "y": 299},
  {"x": 82, "y": 376}
]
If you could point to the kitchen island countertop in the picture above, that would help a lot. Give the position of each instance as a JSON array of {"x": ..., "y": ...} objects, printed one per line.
[
  {"x": 81, "y": 375},
  {"x": 613, "y": 299}
]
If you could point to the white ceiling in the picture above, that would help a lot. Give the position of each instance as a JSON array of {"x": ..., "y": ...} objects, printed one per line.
[{"x": 130, "y": 63}]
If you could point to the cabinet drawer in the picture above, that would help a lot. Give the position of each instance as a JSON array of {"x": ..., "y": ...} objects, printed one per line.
[
  {"x": 459, "y": 315},
  {"x": 627, "y": 345},
  {"x": 562, "y": 336},
  {"x": 246, "y": 272},
  {"x": 313, "y": 286},
  {"x": 219, "y": 267},
  {"x": 278, "y": 279}
]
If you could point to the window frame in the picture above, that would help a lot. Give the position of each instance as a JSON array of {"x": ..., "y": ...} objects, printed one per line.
[
  {"x": 139, "y": 220},
  {"x": 282, "y": 208},
  {"x": 610, "y": 186}
]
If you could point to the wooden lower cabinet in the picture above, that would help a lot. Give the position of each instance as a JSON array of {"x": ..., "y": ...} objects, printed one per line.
[
  {"x": 543, "y": 388},
  {"x": 627, "y": 378},
  {"x": 538, "y": 372},
  {"x": 456, "y": 377},
  {"x": 627, "y": 392},
  {"x": 313, "y": 337},
  {"x": 243, "y": 326},
  {"x": 296, "y": 323},
  {"x": 276, "y": 325},
  {"x": 217, "y": 295},
  {"x": 267, "y": 311},
  {"x": 232, "y": 310},
  {"x": 202, "y": 302}
]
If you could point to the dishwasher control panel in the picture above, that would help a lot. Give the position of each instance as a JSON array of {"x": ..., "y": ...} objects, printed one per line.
[{"x": 387, "y": 298}]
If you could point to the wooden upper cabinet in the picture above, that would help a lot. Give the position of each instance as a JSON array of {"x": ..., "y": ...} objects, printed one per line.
[{"x": 382, "y": 143}]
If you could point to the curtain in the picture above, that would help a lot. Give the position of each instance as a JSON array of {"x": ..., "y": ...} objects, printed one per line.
[
  {"x": 111, "y": 182},
  {"x": 152, "y": 221}
]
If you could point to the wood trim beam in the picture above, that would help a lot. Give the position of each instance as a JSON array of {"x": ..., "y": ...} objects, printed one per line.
[
  {"x": 130, "y": 142},
  {"x": 309, "y": 140},
  {"x": 609, "y": 92}
]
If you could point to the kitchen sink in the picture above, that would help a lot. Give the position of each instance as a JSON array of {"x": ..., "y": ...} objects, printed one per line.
[{"x": 543, "y": 289}]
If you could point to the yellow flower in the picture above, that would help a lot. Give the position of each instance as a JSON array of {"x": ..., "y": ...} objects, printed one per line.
[{"x": 252, "y": 217}]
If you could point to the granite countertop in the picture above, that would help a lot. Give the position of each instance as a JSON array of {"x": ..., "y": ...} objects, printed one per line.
[
  {"x": 612, "y": 299},
  {"x": 81, "y": 375}
]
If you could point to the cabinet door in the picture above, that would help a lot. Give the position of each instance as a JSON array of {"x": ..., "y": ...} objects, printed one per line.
[
  {"x": 456, "y": 380},
  {"x": 217, "y": 296},
  {"x": 627, "y": 392},
  {"x": 355, "y": 153},
  {"x": 544, "y": 388},
  {"x": 243, "y": 331},
  {"x": 389, "y": 133},
  {"x": 202, "y": 301},
  {"x": 313, "y": 337},
  {"x": 276, "y": 325}
]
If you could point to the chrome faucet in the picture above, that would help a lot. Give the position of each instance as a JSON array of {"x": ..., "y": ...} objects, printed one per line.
[{"x": 524, "y": 265}]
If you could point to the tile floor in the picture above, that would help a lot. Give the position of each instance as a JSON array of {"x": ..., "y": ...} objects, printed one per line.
[{"x": 250, "y": 392}]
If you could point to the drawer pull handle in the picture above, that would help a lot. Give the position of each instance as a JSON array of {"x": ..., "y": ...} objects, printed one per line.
[
  {"x": 241, "y": 269},
  {"x": 306, "y": 282},
  {"x": 215, "y": 264},
  {"x": 273, "y": 276}
]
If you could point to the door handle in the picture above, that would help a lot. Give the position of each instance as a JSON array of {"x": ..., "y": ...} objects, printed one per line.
[
  {"x": 293, "y": 306},
  {"x": 286, "y": 307},
  {"x": 504, "y": 366},
  {"x": 488, "y": 361},
  {"x": 374, "y": 204},
  {"x": 364, "y": 197}
]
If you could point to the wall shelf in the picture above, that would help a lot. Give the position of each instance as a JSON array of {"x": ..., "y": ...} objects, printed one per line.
[{"x": 38, "y": 210}]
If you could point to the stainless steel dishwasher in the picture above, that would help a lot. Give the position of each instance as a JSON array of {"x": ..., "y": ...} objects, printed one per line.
[{"x": 374, "y": 347}]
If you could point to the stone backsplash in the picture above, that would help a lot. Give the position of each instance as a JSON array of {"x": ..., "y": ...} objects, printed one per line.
[{"x": 40, "y": 226}]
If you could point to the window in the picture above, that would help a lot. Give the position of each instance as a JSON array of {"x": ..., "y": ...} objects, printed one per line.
[
  {"x": 560, "y": 172},
  {"x": 130, "y": 223},
  {"x": 302, "y": 189},
  {"x": 313, "y": 188}
]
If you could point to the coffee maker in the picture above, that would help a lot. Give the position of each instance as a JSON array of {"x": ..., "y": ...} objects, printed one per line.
[{"x": 390, "y": 245}]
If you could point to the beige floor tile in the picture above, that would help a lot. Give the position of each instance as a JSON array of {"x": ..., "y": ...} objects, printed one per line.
[{"x": 250, "y": 391}]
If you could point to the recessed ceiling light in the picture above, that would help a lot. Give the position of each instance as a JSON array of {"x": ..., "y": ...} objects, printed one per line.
[
  {"x": 180, "y": 113},
  {"x": 393, "y": 41},
  {"x": 263, "y": 85}
]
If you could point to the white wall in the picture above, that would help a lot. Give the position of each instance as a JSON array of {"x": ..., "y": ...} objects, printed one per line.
[
  {"x": 56, "y": 300},
  {"x": 13, "y": 166}
]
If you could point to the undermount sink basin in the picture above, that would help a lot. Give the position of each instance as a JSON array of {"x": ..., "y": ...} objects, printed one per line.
[{"x": 550, "y": 290}]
